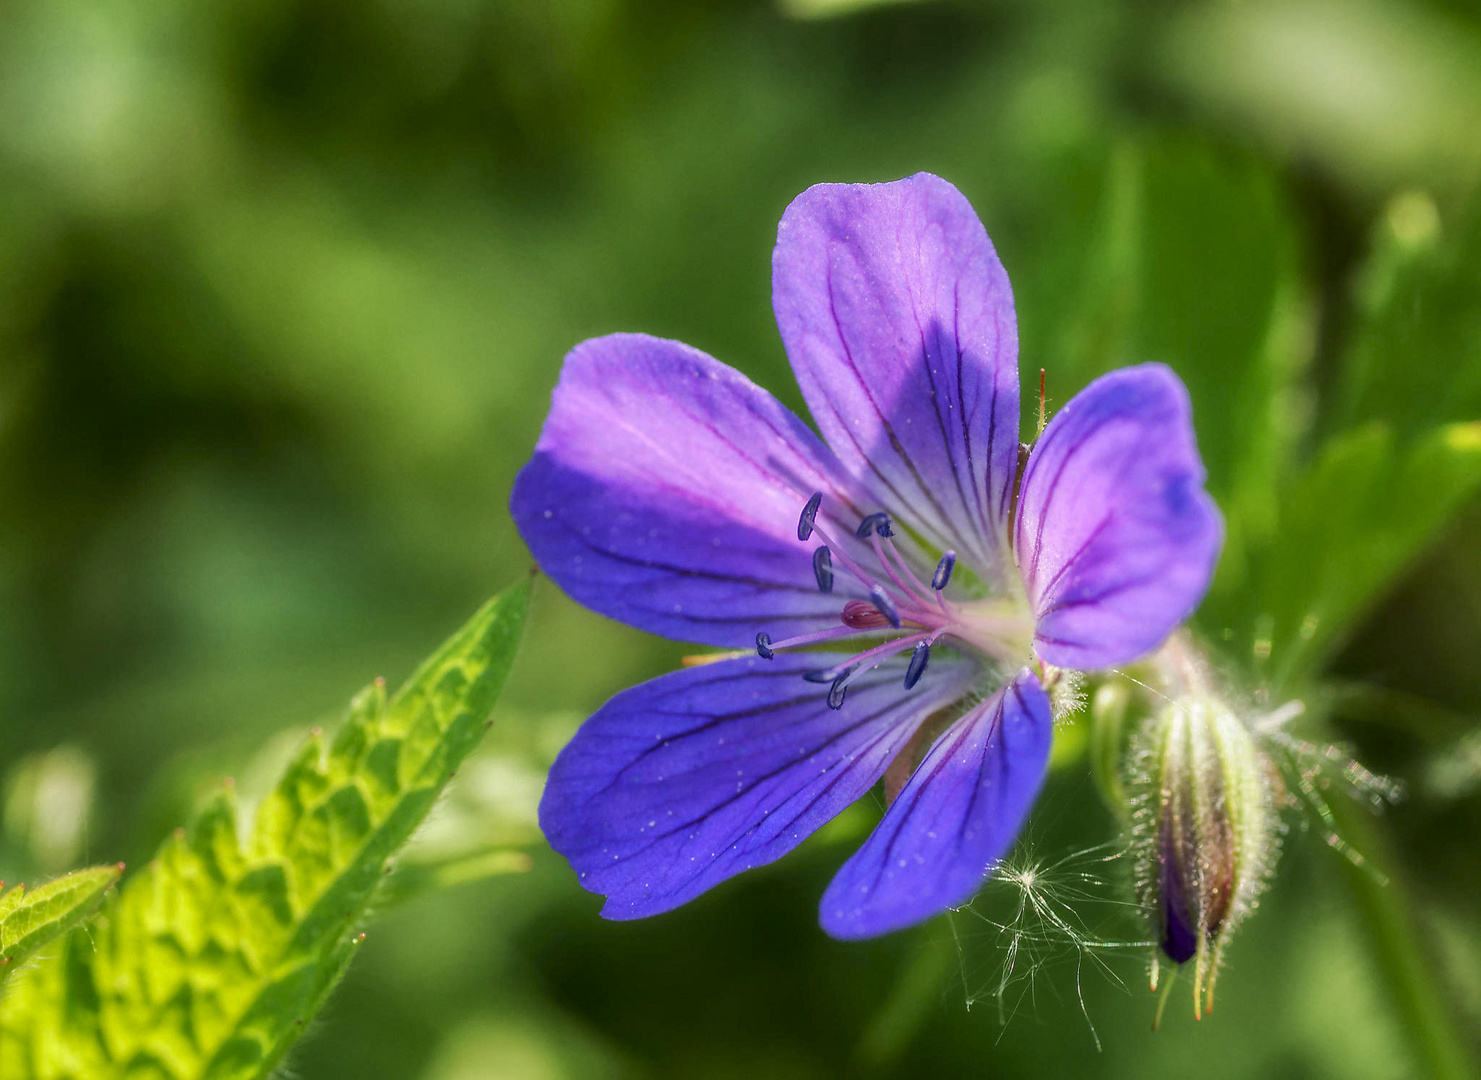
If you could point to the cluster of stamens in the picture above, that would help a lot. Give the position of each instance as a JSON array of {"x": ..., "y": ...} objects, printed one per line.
[{"x": 911, "y": 614}]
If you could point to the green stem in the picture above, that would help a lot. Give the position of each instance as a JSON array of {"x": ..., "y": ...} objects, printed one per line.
[
  {"x": 1386, "y": 911},
  {"x": 889, "y": 1034}
]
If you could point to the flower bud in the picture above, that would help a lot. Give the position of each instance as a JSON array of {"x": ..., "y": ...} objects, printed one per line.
[{"x": 1204, "y": 830}]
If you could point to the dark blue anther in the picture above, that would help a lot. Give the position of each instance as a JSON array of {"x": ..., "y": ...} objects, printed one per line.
[
  {"x": 822, "y": 568},
  {"x": 809, "y": 513},
  {"x": 943, "y": 571},
  {"x": 875, "y": 523},
  {"x": 881, "y": 600},
  {"x": 918, "y": 661},
  {"x": 763, "y": 645},
  {"x": 837, "y": 690}
]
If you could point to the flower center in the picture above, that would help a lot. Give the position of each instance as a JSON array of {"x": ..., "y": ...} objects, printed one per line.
[{"x": 902, "y": 609}]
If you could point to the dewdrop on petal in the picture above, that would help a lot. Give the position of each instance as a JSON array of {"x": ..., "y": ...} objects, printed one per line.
[{"x": 1204, "y": 831}]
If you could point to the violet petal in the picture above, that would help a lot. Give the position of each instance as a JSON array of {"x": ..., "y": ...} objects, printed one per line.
[
  {"x": 898, "y": 320},
  {"x": 1180, "y": 933},
  {"x": 665, "y": 490},
  {"x": 1115, "y": 536},
  {"x": 679, "y": 783},
  {"x": 957, "y": 815}
]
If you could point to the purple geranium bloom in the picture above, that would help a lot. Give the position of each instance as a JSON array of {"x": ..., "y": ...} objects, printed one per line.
[{"x": 665, "y": 492}]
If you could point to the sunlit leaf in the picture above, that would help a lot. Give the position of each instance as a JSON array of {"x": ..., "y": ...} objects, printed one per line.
[
  {"x": 211, "y": 961},
  {"x": 28, "y": 920}
]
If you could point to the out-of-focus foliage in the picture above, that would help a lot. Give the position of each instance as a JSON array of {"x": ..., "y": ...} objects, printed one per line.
[
  {"x": 1378, "y": 92},
  {"x": 283, "y": 290},
  {"x": 1194, "y": 262},
  {"x": 48, "y": 800},
  {"x": 211, "y": 961},
  {"x": 1414, "y": 359},
  {"x": 1322, "y": 541},
  {"x": 1348, "y": 525}
]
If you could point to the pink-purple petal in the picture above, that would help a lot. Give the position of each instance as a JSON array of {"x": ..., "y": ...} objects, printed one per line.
[
  {"x": 679, "y": 783},
  {"x": 1116, "y": 537},
  {"x": 957, "y": 815},
  {"x": 665, "y": 490},
  {"x": 898, "y": 319}
]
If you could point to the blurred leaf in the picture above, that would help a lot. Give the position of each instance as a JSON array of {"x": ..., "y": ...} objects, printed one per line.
[
  {"x": 520, "y": 1040},
  {"x": 48, "y": 805},
  {"x": 1347, "y": 528},
  {"x": 1429, "y": 723},
  {"x": 1195, "y": 266},
  {"x": 1415, "y": 356},
  {"x": 28, "y": 920},
  {"x": 414, "y": 879},
  {"x": 827, "y": 9},
  {"x": 1380, "y": 93},
  {"x": 211, "y": 961},
  {"x": 1455, "y": 771}
]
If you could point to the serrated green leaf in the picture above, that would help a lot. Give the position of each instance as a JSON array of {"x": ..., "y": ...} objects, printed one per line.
[
  {"x": 1348, "y": 526},
  {"x": 211, "y": 961},
  {"x": 29, "y": 920}
]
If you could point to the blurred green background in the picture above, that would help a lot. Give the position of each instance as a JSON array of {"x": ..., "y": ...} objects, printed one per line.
[{"x": 284, "y": 287}]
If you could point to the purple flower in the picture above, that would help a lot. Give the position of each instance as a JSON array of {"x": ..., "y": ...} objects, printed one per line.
[{"x": 666, "y": 490}]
